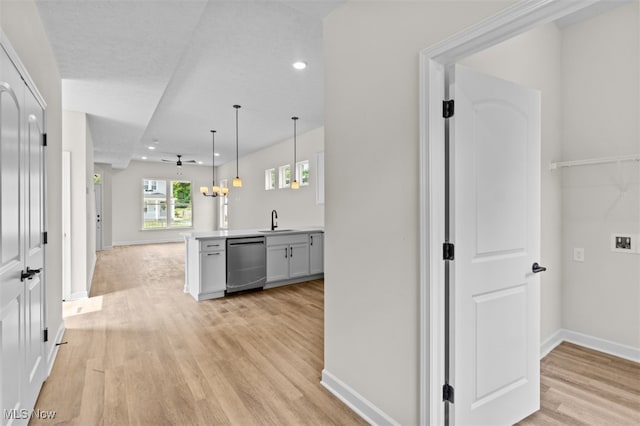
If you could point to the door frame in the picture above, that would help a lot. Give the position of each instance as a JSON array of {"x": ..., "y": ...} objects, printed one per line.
[{"x": 514, "y": 20}]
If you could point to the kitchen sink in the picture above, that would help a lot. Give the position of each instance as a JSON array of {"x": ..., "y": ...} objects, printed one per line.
[{"x": 268, "y": 231}]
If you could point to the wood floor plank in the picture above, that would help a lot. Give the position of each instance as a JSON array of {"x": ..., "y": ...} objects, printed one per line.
[
  {"x": 142, "y": 352},
  {"x": 580, "y": 386}
]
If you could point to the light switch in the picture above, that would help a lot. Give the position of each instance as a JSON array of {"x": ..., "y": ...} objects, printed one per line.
[{"x": 578, "y": 254}]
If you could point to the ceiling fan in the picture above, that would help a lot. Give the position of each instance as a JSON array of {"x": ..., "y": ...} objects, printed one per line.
[{"x": 180, "y": 161}]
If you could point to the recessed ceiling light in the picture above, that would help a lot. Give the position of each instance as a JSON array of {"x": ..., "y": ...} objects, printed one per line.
[
  {"x": 152, "y": 147},
  {"x": 200, "y": 162},
  {"x": 217, "y": 154},
  {"x": 144, "y": 158},
  {"x": 300, "y": 65}
]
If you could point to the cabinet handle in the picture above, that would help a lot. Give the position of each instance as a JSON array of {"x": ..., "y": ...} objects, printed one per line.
[
  {"x": 291, "y": 248},
  {"x": 213, "y": 245},
  {"x": 213, "y": 254},
  {"x": 286, "y": 252},
  {"x": 311, "y": 239}
]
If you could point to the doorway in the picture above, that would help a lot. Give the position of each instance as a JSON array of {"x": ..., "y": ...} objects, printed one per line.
[
  {"x": 434, "y": 62},
  {"x": 97, "y": 190}
]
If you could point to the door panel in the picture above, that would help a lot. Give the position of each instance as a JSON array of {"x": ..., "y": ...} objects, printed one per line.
[
  {"x": 10, "y": 210},
  {"x": 495, "y": 208},
  {"x": 21, "y": 241},
  {"x": 11, "y": 237},
  {"x": 34, "y": 308},
  {"x": 97, "y": 189},
  {"x": 10, "y": 338},
  {"x": 35, "y": 168}
]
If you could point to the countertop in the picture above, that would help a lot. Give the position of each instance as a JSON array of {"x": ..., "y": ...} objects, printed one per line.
[{"x": 234, "y": 233}]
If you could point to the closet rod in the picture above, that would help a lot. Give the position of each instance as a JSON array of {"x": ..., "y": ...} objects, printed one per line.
[{"x": 603, "y": 160}]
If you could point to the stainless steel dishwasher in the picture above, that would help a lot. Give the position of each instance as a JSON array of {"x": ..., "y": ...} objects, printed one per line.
[{"x": 246, "y": 263}]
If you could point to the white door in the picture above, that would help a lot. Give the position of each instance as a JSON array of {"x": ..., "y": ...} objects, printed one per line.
[
  {"x": 495, "y": 226},
  {"x": 34, "y": 246},
  {"x": 12, "y": 297},
  {"x": 97, "y": 189},
  {"x": 22, "y": 220}
]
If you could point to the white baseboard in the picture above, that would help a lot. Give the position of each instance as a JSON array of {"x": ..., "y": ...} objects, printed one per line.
[
  {"x": 550, "y": 344},
  {"x": 355, "y": 401},
  {"x": 53, "y": 351},
  {"x": 142, "y": 242},
  {"x": 78, "y": 295},
  {"x": 602, "y": 345}
]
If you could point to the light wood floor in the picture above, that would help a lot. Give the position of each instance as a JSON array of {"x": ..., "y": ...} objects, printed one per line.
[
  {"x": 580, "y": 386},
  {"x": 140, "y": 351}
]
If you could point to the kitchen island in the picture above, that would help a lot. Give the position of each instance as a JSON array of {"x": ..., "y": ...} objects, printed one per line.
[{"x": 290, "y": 256}]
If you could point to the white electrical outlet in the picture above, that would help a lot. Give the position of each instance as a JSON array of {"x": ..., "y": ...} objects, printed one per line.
[
  {"x": 624, "y": 243},
  {"x": 578, "y": 254}
]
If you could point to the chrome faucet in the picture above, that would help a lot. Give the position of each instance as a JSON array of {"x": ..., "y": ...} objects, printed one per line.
[{"x": 274, "y": 216}]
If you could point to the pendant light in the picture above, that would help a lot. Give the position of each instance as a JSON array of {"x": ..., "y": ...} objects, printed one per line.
[
  {"x": 237, "y": 182},
  {"x": 294, "y": 184},
  {"x": 215, "y": 190}
]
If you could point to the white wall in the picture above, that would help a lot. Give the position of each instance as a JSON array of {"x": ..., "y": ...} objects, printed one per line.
[
  {"x": 371, "y": 265},
  {"x": 601, "y": 115},
  {"x": 21, "y": 24},
  {"x": 127, "y": 201},
  {"x": 534, "y": 59},
  {"x": 74, "y": 130},
  {"x": 372, "y": 320},
  {"x": 250, "y": 206}
]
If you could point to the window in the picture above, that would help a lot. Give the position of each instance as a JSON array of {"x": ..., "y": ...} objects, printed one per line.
[
  {"x": 166, "y": 204},
  {"x": 302, "y": 172},
  {"x": 285, "y": 176},
  {"x": 223, "y": 212},
  {"x": 270, "y": 179}
]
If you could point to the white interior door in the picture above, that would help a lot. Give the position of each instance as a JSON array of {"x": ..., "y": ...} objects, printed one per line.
[
  {"x": 66, "y": 225},
  {"x": 34, "y": 246},
  {"x": 495, "y": 225},
  {"x": 12, "y": 297},
  {"x": 97, "y": 189},
  {"x": 22, "y": 253}
]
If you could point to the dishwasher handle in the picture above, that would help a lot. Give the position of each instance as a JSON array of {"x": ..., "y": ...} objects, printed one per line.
[{"x": 235, "y": 242}]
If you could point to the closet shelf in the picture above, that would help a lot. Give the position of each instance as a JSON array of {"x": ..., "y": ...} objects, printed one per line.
[{"x": 591, "y": 161}]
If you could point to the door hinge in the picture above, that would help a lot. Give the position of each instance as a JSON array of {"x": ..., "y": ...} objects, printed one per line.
[
  {"x": 44, "y": 139},
  {"x": 45, "y": 238},
  {"x": 448, "y": 251},
  {"x": 45, "y": 334},
  {"x": 447, "y": 108},
  {"x": 447, "y": 393}
]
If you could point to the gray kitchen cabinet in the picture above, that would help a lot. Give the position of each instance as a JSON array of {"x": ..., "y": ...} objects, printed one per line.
[
  {"x": 316, "y": 253},
  {"x": 287, "y": 257},
  {"x": 212, "y": 272},
  {"x": 298, "y": 260},
  {"x": 291, "y": 257},
  {"x": 206, "y": 268},
  {"x": 277, "y": 262}
]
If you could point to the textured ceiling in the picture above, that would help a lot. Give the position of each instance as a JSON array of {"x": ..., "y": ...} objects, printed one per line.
[{"x": 164, "y": 73}]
